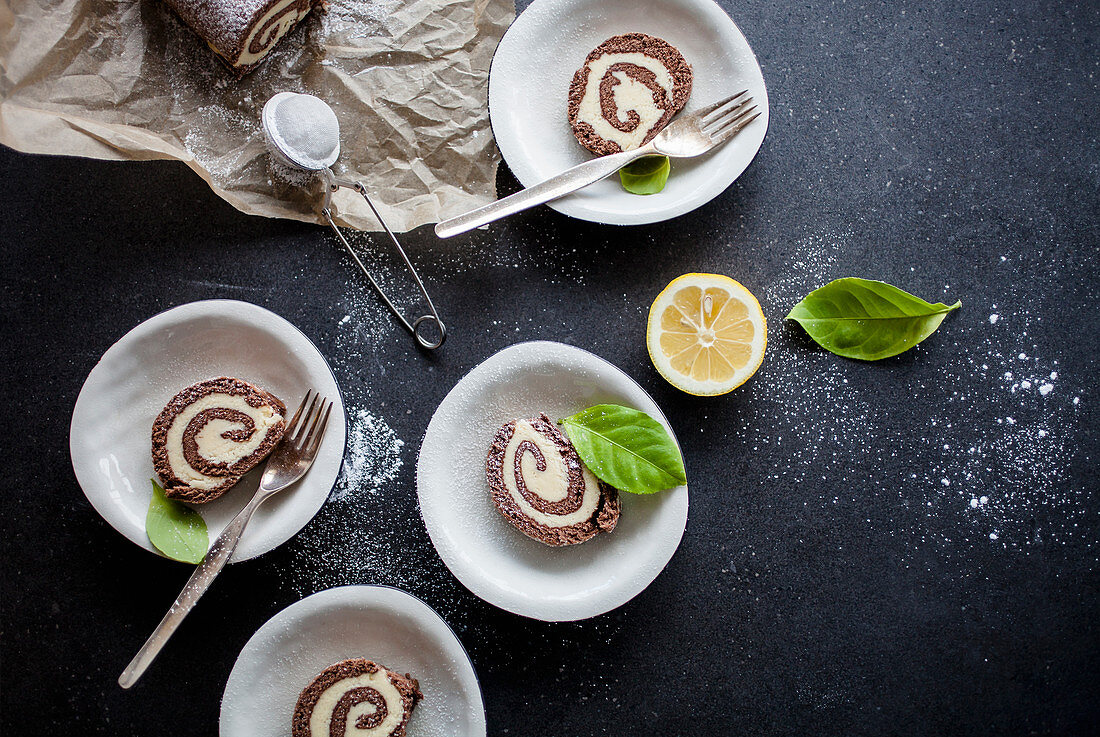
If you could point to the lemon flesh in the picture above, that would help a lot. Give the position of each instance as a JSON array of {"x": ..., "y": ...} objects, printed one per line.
[{"x": 706, "y": 334}]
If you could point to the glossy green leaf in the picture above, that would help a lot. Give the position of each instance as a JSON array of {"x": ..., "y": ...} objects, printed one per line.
[
  {"x": 647, "y": 175},
  {"x": 626, "y": 448},
  {"x": 175, "y": 529},
  {"x": 866, "y": 319}
]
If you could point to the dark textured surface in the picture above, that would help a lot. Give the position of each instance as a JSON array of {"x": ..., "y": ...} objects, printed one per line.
[{"x": 840, "y": 573}]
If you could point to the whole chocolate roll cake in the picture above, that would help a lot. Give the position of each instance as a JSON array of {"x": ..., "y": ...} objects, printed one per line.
[
  {"x": 211, "y": 434},
  {"x": 356, "y": 698},
  {"x": 541, "y": 487},
  {"x": 243, "y": 32},
  {"x": 628, "y": 90}
]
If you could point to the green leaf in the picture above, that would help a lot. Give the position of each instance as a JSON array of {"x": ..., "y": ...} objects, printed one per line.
[
  {"x": 866, "y": 319},
  {"x": 175, "y": 529},
  {"x": 626, "y": 448},
  {"x": 646, "y": 175}
]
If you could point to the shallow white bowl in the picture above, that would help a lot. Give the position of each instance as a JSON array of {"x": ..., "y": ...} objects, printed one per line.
[
  {"x": 529, "y": 87},
  {"x": 490, "y": 557},
  {"x": 109, "y": 438},
  {"x": 378, "y": 623}
]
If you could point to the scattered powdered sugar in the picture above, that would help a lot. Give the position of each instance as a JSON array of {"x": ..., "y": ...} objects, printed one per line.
[
  {"x": 362, "y": 533},
  {"x": 373, "y": 458},
  {"x": 1013, "y": 441},
  {"x": 555, "y": 257},
  {"x": 355, "y": 17},
  {"x": 292, "y": 175},
  {"x": 224, "y": 112},
  {"x": 216, "y": 124},
  {"x": 818, "y": 414},
  {"x": 988, "y": 462},
  {"x": 975, "y": 452},
  {"x": 367, "y": 322},
  {"x": 357, "y": 536}
]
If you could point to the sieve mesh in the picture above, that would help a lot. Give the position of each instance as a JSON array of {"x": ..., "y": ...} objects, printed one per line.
[{"x": 305, "y": 130}]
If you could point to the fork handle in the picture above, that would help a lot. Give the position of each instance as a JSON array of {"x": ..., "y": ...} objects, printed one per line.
[
  {"x": 204, "y": 575},
  {"x": 557, "y": 186}
]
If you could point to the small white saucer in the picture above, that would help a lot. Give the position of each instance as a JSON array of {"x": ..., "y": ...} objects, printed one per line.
[
  {"x": 109, "y": 438},
  {"x": 492, "y": 559},
  {"x": 529, "y": 87},
  {"x": 378, "y": 623}
]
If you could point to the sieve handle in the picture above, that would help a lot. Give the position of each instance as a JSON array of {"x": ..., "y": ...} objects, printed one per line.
[{"x": 416, "y": 327}]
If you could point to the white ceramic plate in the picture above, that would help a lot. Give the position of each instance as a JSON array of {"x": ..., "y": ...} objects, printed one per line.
[
  {"x": 490, "y": 557},
  {"x": 109, "y": 438},
  {"x": 382, "y": 624},
  {"x": 529, "y": 86}
]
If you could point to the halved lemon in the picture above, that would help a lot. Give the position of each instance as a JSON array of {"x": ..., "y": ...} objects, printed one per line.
[{"x": 706, "y": 334}]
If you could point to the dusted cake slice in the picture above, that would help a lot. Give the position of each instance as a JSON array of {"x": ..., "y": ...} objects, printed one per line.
[
  {"x": 243, "y": 32},
  {"x": 211, "y": 434},
  {"x": 356, "y": 698},
  {"x": 628, "y": 90},
  {"x": 541, "y": 487}
]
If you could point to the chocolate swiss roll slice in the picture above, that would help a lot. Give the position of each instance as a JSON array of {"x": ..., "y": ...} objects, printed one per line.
[
  {"x": 356, "y": 698},
  {"x": 242, "y": 32},
  {"x": 541, "y": 487},
  {"x": 628, "y": 90},
  {"x": 211, "y": 434}
]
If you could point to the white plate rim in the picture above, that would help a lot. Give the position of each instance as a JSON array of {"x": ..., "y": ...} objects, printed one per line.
[
  {"x": 470, "y": 578},
  {"x": 158, "y": 321},
  {"x": 341, "y": 595},
  {"x": 574, "y": 208}
]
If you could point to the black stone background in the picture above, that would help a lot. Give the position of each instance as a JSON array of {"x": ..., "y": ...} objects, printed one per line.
[{"x": 828, "y": 583}]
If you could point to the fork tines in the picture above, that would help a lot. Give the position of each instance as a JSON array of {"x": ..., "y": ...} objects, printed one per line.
[
  {"x": 726, "y": 117},
  {"x": 706, "y": 111},
  {"x": 316, "y": 419}
]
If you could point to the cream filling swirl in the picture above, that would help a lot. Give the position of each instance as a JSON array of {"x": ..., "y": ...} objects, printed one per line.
[
  {"x": 215, "y": 440},
  {"x": 629, "y": 95},
  {"x": 548, "y": 479},
  {"x": 361, "y": 712},
  {"x": 270, "y": 28}
]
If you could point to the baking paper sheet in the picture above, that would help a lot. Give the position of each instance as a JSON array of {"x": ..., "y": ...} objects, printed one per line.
[{"x": 128, "y": 80}]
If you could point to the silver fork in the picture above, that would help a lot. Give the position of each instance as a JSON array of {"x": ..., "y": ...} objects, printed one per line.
[
  {"x": 687, "y": 136},
  {"x": 289, "y": 461}
]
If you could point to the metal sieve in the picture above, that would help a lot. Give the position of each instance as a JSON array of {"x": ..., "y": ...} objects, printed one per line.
[{"x": 303, "y": 133}]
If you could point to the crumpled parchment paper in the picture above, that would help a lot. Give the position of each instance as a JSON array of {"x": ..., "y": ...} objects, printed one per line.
[{"x": 126, "y": 79}]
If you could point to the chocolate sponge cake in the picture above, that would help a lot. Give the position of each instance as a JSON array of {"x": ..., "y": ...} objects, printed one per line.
[
  {"x": 628, "y": 89},
  {"x": 242, "y": 32},
  {"x": 211, "y": 434},
  {"x": 541, "y": 487},
  {"x": 356, "y": 698}
]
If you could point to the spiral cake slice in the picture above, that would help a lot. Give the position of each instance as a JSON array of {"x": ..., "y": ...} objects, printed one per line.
[
  {"x": 356, "y": 698},
  {"x": 628, "y": 90},
  {"x": 211, "y": 434},
  {"x": 243, "y": 32},
  {"x": 541, "y": 487}
]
